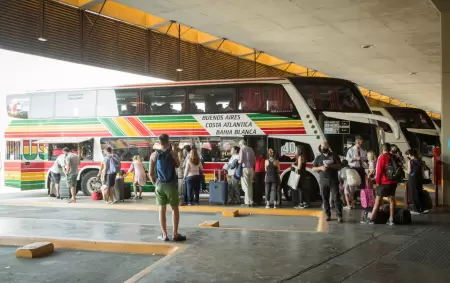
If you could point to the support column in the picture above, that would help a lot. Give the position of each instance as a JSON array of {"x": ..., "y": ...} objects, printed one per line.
[{"x": 445, "y": 99}]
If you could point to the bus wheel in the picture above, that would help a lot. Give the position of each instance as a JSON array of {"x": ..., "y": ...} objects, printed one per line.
[{"x": 89, "y": 183}]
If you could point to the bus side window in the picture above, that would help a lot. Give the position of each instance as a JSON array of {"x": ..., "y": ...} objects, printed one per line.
[
  {"x": 128, "y": 102},
  {"x": 164, "y": 101},
  {"x": 211, "y": 100}
]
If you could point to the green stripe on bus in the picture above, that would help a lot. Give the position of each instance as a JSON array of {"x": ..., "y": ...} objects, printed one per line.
[
  {"x": 162, "y": 119},
  {"x": 56, "y": 122},
  {"x": 264, "y": 117},
  {"x": 112, "y": 127},
  {"x": 12, "y": 183}
]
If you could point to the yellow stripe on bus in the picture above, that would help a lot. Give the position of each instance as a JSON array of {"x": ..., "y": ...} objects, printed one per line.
[
  {"x": 126, "y": 127},
  {"x": 193, "y": 125},
  {"x": 278, "y": 124}
]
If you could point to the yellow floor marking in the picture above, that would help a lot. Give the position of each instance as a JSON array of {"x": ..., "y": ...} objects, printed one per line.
[{"x": 169, "y": 250}]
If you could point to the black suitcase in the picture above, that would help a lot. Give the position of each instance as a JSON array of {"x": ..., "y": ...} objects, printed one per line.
[
  {"x": 119, "y": 189},
  {"x": 127, "y": 191},
  {"x": 402, "y": 216},
  {"x": 426, "y": 200}
]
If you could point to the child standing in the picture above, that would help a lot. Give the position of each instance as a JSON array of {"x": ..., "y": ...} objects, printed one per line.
[
  {"x": 140, "y": 178},
  {"x": 351, "y": 181}
]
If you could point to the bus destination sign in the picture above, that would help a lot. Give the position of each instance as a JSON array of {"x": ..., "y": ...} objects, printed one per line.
[{"x": 336, "y": 127}]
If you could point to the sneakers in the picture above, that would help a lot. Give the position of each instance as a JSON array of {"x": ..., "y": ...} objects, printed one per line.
[
  {"x": 347, "y": 207},
  {"x": 305, "y": 205},
  {"x": 339, "y": 220},
  {"x": 368, "y": 221},
  {"x": 390, "y": 222},
  {"x": 162, "y": 238},
  {"x": 267, "y": 205}
]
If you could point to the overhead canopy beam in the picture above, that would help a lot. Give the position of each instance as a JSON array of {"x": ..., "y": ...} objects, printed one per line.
[
  {"x": 91, "y": 4},
  {"x": 162, "y": 24},
  {"x": 213, "y": 41}
]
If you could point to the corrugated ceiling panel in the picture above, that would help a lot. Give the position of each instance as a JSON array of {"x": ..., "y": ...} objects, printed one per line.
[
  {"x": 246, "y": 69},
  {"x": 189, "y": 62},
  {"x": 20, "y": 26},
  {"x": 101, "y": 46},
  {"x": 215, "y": 64},
  {"x": 262, "y": 71},
  {"x": 132, "y": 49},
  {"x": 62, "y": 26},
  {"x": 163, "y": 56}
]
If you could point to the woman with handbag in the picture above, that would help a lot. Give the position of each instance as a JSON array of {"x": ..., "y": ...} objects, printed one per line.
[
  {"x": 272, "y": 179},
  {"x": 300, "y": 194}
]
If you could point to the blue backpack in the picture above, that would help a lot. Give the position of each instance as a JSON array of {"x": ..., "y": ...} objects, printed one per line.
[
  {"x": 238, "y": 172},
  {"x": 113, "y": 165},
  {"x": 165, "y": 166}
]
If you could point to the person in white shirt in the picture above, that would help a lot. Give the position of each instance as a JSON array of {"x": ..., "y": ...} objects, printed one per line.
[
  {"x": 55, "y": 175},
  {"x": 357, "y": 158},
  {"x": 234, "y": 194},
  {"x": 192, "y": 173}
]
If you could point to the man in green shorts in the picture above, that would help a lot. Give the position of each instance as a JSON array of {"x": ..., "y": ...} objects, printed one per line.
[
  {"x": 71, "y": 170},
  {"x": 162, "y": 174}
]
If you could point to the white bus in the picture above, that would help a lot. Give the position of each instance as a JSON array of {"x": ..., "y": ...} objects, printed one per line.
[
  {"x": 278, "y": 113},
  {"x": 417, "y": 130}
]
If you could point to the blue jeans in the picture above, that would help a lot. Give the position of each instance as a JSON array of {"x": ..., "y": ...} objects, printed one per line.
[{"x": 193, "y": 189}]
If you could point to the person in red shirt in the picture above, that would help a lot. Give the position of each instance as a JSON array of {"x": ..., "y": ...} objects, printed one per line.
[
  {"x": 385, "y": 186},
  {"x": 260, "y": 173}
]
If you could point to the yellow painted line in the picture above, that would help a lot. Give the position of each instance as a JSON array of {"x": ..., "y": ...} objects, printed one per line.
[
  {"x": 126, "y": 127},
  {"x": 169, "y": 250},
  {"x": 426, "y": 188},
  {"x": 322, "y": 225}
]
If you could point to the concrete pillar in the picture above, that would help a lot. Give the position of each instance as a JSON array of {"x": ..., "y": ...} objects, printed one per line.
[{"x": 444, "y": 8}]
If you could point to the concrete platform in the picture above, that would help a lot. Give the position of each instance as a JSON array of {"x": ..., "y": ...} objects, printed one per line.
[
  {"x": 72, "y": 266},
  {"x": 251, "y": 248}
]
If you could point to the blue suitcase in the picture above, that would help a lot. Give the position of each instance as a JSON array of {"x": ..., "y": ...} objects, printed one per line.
[{"x": 218, "y": 192}]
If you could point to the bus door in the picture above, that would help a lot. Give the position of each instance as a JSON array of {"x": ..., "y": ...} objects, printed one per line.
[{"x": 258, "y": 144}]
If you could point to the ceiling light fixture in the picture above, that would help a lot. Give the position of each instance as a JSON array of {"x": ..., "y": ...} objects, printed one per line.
[
  {"x": 414, "y": 73},
  {"x": 179, "y": 70},
  {"x": 367, "y": 46},
  {"x": 42, "y": 39}
]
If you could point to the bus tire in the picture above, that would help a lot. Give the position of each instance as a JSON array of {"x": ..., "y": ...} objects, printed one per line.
[{"x": 87, "y": 182}]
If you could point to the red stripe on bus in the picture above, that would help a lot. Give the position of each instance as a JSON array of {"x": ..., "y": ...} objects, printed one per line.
[
  {"x": 67, "y": 134},
  {"x": 137, "y": 124}
]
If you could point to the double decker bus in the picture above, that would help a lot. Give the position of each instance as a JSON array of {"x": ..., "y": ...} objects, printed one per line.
[
  {"x": 417, "y": 130},
  {"x": 278, "y": 113}
]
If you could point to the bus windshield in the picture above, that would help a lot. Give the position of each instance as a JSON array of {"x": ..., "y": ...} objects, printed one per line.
[
  {"x": 332, "y": 95},
  {"x": 411, "y": 118}
]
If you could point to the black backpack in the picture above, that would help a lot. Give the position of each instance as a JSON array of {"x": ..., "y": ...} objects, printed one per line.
[{"x": 394, "y": 171}]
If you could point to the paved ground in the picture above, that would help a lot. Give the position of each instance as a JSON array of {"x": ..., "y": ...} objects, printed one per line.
[
  {"x": 72, "y": 266},
  {"x": 256, "y": 248}
]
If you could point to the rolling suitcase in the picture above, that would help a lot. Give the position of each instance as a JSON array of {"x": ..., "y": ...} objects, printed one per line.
[
  {"x": 127, "y": 191},
  {"x": 64, "y": 189},
  {"x": 119, "y": 189},
  {"x": 218, "y": 191},
  {"x": 426, "y": 200}
]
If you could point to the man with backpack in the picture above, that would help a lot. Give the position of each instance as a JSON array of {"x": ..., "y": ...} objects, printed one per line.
[
  {"x": 112, "y": 168},
  {"x": 162, "y": 174},
  {"x": 387, "y": 178}
]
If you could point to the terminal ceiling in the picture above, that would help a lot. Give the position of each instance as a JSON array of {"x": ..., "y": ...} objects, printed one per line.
[
  {"x": 327, "y": 35},
  {"x": 281, "y": 37}
]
